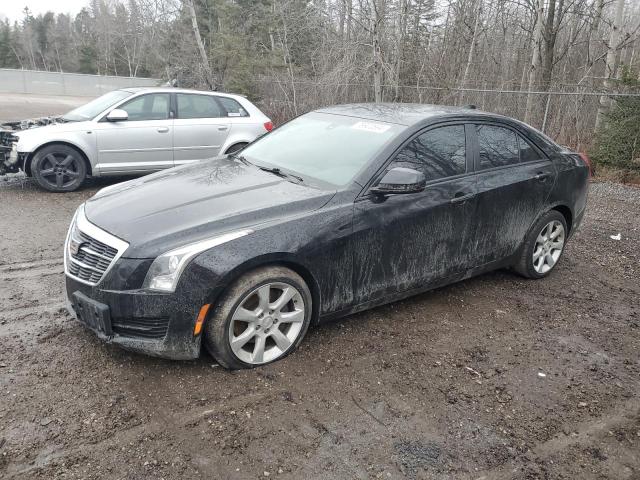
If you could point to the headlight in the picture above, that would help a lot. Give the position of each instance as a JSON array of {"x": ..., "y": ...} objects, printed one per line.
[
  {"x": 73, "y": 241},
  {"x": 165, "y": 271},
  {"x": 13, "y": 154}
]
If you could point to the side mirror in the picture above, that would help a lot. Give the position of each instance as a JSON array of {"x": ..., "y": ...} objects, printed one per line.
[
  {"x": 400, "y": 180},
  {"x": 117, "y": 115}
]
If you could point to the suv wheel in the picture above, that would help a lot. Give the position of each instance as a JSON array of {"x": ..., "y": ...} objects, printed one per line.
[
  {"x": 59, "y": 168},
  {"x": 262, "y": 318}
]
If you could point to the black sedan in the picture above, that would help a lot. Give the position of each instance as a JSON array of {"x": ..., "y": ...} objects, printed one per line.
[{"x": 337, "y": 211}]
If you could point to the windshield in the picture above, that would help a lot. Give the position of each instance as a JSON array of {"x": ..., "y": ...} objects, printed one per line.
[
  {"x": 330, "y": 148},
  {"x": 90, "y": 110}
]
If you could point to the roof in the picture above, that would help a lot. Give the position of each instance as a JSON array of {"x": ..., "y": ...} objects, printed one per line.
[
  {"x": 178, "y": 90},
  {"x": 400, "y": 113}
]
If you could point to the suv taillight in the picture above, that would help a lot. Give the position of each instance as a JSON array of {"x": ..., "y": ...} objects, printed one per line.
[
  {"x": 268, "y": 126},
  {"x": 587, "y": 162}
]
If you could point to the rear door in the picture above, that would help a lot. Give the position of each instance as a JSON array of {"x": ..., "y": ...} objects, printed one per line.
[
  {"x": 200, "y": 128},
  {"x": 514, "y": 182},
  {"x": 143, "y": 143}
]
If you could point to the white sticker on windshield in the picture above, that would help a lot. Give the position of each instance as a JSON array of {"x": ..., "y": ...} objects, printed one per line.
[{"x": 371, "y": 127}]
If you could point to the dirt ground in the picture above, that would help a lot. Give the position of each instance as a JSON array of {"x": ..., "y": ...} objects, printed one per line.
[{"x": 493, "y": 378}]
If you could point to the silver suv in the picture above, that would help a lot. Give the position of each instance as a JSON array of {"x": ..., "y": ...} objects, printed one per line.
[{"x": 137, "y": 131}]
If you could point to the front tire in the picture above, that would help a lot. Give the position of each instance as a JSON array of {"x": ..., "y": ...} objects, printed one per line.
[
  {"x": 543, "y": 246},
  {"x": 59, "y": 168},
  {"x": 261, "y": 318}
]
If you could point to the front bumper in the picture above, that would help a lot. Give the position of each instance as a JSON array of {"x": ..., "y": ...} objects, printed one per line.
[{"x": 160, "y": 325}]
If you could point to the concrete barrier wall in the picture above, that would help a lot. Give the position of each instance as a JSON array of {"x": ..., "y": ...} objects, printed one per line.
[{"x": 56, "y": 83}]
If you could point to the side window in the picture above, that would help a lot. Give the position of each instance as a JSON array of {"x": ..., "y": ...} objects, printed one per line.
[
  {"x": 154, "y": 106},
  {"x": 438, "y": 153},
  {"x": 233, "y": 108},
  {"x": 498, "y": 146},
  {"x": 197, "y": 106},
  {"x": 527, "y": 152}
]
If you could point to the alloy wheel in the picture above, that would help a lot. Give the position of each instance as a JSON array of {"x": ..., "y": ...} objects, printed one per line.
[
  {"x": 60, "y": 169},
  {"x": 548, "y": 246},
  {"x": 267, "y": 323}
]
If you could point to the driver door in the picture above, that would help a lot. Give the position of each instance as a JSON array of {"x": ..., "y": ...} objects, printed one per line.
[
  {"x": 405, "y": 241},
  {"x": 143, "y": 143}
]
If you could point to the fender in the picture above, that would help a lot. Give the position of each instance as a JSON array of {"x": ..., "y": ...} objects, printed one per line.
[
  {"x": 84, "y": 140},
  {"x": 284, "y": 259},
  {"x": 27, "y": 157},
  {"x": 240, "y": 135}
]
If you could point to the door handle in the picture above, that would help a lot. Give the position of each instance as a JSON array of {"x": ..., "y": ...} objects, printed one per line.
[
  {"x": 163, "y": 129},
  {"x": 542, "y": 176},
  {"x": 222, "y": 128},
  {"x": 460, "y": 197}
]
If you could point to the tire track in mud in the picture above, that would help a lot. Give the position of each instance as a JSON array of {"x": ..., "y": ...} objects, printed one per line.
[
  {"x": 49, "y": 307},
  {"x": 177, "y": 422},
  {"x": 31, "y": 269},
  {"x": 583, "y": 434},
  {"x": 30, "y": 264},
  {"x": 23, "y": 282}
]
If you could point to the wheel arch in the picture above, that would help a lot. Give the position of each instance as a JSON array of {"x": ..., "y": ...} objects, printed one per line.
[
  {"x": 240, "y": 142},
  {"x": 567, "y": 214},
  {"x": 272, "y": 260},
  {"x": 29, "y": 159}
]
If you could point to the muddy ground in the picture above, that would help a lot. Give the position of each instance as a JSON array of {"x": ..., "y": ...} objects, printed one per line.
[{"x": 495, "y": 377}]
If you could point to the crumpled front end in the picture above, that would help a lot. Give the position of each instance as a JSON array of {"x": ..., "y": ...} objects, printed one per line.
[{"x": 10, "y": 160}]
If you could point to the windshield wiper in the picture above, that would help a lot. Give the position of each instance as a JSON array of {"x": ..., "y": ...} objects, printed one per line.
[
  {"x": 241, "y": 158},
  {"x": 274, "y": 170},
  {"x": 280, "y": 173}
]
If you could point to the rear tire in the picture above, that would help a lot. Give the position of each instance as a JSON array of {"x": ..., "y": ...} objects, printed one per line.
[
  {"x": 59, "y": 168},
  {"x": 543, "y": 247},
  {"x": 260, "y": 319}
]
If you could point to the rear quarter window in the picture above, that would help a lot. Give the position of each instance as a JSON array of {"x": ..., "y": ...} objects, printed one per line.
[
  {"x": 528, "y": 153},
  {"x": 233, "y": 108}
]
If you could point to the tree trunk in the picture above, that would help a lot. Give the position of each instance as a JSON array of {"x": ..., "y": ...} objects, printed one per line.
[
  {"x": 402, "y": 29},
  {"x": 471, "y": 51},
  {"x": 610, "y": 64},
  {"x": 203, "y": 53},
  {"x": 536, "y": 58},
  {"x": 377, "y": 50}
]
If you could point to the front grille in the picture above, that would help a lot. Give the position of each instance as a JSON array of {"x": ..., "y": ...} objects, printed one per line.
[
  {"x": 92, "y": 259},
  {"x": 86, "y": 274},
  {"x": 152, "y": 328},
  {"x": 90, "y": 251}
]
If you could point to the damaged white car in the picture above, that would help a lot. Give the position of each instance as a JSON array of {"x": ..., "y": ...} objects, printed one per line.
[{"x": 134, "y": 131}]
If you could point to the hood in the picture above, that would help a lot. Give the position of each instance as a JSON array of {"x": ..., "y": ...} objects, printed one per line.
[
  {"x": 185, "y": 204},
  {"x": 56, "y": 128},
  {"x": 34, "y": 135}
]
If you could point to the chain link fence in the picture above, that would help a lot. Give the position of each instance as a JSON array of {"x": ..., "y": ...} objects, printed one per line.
[{"x": 568, "y": 116}]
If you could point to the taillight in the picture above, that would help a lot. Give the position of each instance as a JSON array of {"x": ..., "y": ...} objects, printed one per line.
[
  {"x": 587, "y": 162},
  {"x": 268, "y": 126}
]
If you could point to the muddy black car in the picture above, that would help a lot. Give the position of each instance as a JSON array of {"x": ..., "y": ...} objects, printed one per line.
[{"x": 337, "y": 211}]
